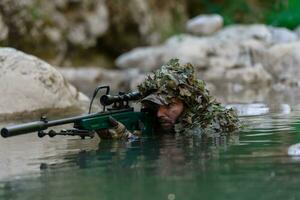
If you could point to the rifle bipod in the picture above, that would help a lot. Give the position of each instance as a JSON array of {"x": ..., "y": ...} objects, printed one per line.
[{"x": 70, "y": 132}]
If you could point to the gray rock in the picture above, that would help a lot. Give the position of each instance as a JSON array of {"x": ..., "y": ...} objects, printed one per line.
[
  {"x": 138, "y": 79},
  {"x": 204, "y": 24},
  {"x": 86, "y": 79},
  {"x": 30, "y": 87},
  {"x": 242, "y": 54},
  {"x": 294, "y": 150},
  {"x": 282, "y": 35},
  {"x": 285, "y": 109},
  {"x": 283, "y": 62},
  {"x": 253, "y": 75},
  {"x": 188, "y": 49},
  {"x": 267, "y": 34},
  {"x": 254, "y": 109},
  {"x": 87, "y": 20},
  {"x": 203, "y": 53},
  {"x": 142, "y": 14},
  {"x": 145, "y": 59},
  {"x": 185, "y": 47},
  {"x": 249, "y": 75},
  {"x": 94, "y": 24},
  {"x": 237, "y": 33}
]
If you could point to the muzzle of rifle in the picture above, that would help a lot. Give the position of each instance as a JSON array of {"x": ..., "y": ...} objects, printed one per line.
[{"x": 23, "y": 129}]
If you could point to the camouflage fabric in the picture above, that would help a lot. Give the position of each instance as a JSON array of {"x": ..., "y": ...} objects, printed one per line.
[{"x": 202, "y": 113}]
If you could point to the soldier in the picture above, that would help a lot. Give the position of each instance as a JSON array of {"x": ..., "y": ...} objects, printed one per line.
[{"x": 181, "y": 104}]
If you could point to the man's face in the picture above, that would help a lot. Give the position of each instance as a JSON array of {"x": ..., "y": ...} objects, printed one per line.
[{"x": 168, "y": 114}]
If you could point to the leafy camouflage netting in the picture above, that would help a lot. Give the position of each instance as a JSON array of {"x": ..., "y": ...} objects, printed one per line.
[{"x": 202, "y": 114}]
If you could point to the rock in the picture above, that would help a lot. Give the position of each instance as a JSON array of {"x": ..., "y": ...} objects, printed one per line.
[
  {"x": 250, "y": 109},
  {"x": 141, "y": 14},
  {"x": 56, "y": 25},
  {"x": 97, "y": 21},
  {"x": 267, "y": 34},
  {"x": 203, "y": 53},
  {"x": 238, "y": 33},
  {"x": 283, "y": 62},
  {"x": 294, "y": 150},
  {"x": 241, "y": 55},
  {"x": 226, "y": 92},
  {"x": 185, "y": 47},
  {"x": 94, "y": 24},
  {"x": 136, "y": 81},
  {"x": 249, "y": 75},
  {"x": 188, "y": 49},
  {"x": 244, "y": 76},
  {"x": 141, "y": 21},
  {"x": 204, "y": 24},
  {"x": 282, "y": 35},
  {"x": 146, "y": 59},
  {"x": 31, "y": 87},
  {"x": 86, "y": 79},
  {"x": 285, "y": 109}
]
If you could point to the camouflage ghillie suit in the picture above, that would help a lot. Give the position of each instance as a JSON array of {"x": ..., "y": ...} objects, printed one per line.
[{"x": 202, "y": 113}]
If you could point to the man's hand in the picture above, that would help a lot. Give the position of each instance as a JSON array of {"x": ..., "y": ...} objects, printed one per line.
[{"x": 118, "y": 131}]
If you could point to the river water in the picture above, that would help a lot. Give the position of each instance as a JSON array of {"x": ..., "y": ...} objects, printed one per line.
[{"x": 253, "y": 164}]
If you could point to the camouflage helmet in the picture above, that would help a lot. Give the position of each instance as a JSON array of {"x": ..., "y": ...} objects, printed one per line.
[{"x": 174, "y": 80}]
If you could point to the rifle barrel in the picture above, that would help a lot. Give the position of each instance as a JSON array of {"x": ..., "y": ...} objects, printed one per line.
[
  {"x": 23, "y": 128},
  {"x": 19, "y": 129}
]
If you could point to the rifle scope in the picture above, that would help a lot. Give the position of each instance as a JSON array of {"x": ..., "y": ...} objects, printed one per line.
[{"x": 107, "y": 100}]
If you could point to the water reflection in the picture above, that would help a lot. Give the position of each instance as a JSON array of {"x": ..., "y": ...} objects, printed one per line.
[
  {"x": 251, "y": 164},
  {"x": 174, "y": 158}
]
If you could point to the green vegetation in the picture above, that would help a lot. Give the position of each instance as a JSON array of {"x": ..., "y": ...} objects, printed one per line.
[{"x": 284, "y": 13}]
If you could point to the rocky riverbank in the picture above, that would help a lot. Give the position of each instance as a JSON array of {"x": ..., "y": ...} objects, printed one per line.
[{"x": 240, "y": 64}]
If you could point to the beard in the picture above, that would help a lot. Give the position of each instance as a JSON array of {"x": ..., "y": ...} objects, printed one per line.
[{"x": 166, "y": 124}]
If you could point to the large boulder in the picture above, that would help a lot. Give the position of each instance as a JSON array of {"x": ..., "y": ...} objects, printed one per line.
[
  {"x": 238, "y": 54},
  {"x": 185, "y": 47},
  {"x": 266, "y": 34},
  {"x": 31, "y": 87},
  {"x": 226, "y": 47}
]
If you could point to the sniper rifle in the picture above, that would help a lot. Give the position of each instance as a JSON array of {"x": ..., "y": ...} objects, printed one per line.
[{"x": 86, "y": 125}]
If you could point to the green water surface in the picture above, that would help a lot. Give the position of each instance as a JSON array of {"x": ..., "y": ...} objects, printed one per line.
[{"x": 250, "y": 165}]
